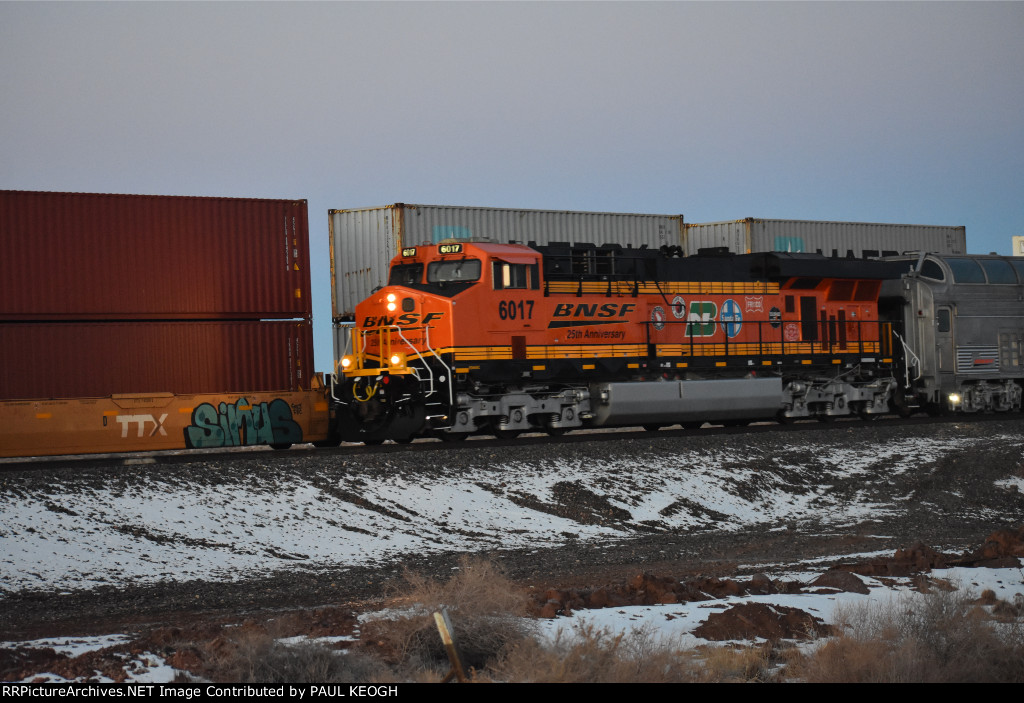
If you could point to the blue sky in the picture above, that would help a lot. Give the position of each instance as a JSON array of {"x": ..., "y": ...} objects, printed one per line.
[{"x": 880, "y": 112}]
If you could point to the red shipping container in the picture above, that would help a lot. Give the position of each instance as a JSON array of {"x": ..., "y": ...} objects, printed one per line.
[
  {"x": 84, "y": 256},
  {"x": 98, "y": 359}
]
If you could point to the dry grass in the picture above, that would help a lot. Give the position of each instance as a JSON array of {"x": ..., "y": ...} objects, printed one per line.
[
  {"x": 938, "y": 637},
  {"x": 254, "y": 656},
  {"x": 488, "y": 611},
  {"x": 594, "y": 655}
]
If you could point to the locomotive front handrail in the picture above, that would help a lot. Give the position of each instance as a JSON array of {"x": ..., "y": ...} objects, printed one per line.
[{"x": 908, "y": 353}]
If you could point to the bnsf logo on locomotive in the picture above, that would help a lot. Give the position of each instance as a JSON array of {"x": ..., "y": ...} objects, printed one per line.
[
  {"x": 595, "y": 310},
  {"x": 588, "y": 312},
  {"x": 410, "y": 318}
]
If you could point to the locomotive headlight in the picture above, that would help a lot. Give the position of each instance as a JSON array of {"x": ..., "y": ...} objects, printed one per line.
[
  {"x": 392, "y": 297},
  {"x": 397, "y": 359},
  {"x": 347, "y": 362},
  {"x": 955, "y": 399},
  {"x": 391, "y": 306}
]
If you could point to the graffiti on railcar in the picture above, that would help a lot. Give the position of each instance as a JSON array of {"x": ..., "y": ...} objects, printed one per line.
[{"x": 242, "y": 424}]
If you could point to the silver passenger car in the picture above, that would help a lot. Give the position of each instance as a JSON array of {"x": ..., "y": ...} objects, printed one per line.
[{"x": 963, "y": 338}]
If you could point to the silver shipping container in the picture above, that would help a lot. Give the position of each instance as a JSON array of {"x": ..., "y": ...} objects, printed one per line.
[
  {"x": 364, "y": 241},
  {"x": 830, "y": 238}
]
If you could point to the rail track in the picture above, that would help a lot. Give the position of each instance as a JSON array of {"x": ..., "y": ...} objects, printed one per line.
[{"x": 481, "y": 442}]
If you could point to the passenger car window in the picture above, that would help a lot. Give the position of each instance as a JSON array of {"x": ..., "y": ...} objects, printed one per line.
[
  {"x": 966, "y": 271},
  {"x": 931, "y": 269},
  {"x": 999, "y": 271}
]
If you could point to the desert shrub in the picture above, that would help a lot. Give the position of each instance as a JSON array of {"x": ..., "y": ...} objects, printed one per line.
[
  {"x": 589, "y": 654},
  {"x": 744, "y": 664},
  {"x": 938, "y": 637},
  {"x": 488, "y": 612},
  {"x": 254, "y": 656}
]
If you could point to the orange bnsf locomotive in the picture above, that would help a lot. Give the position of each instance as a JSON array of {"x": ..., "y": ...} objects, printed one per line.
[{"x": 478, "y": 337}]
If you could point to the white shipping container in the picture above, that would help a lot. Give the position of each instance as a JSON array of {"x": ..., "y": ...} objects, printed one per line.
[
  {"x": 364, "y": 241},
  {"x": 811, "y": 236}
]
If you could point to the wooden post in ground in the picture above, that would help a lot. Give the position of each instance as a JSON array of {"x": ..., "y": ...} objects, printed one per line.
[{"x": 447, "y": 632}]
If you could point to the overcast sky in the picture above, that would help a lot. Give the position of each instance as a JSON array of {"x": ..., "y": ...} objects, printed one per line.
[{"x": 880, "y": 112}]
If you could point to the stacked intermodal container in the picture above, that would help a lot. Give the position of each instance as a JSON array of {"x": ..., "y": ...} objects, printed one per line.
[
  {"x": 856, "y": 239},
  {"x": 104, "y": 296}
]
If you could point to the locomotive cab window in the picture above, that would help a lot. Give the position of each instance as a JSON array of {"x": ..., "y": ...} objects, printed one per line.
[
  {"x": 405, "y": 275},
  {"x": 506, "y": 275},
  {"x": 453, "y": 271}
]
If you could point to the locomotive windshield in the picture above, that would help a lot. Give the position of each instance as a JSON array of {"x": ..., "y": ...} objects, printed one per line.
[
  {"x": 453, "y": 271},
  {"x": 406, "y": 275}
]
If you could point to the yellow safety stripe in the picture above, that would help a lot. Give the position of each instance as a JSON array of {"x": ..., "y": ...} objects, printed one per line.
[{"x": 703, "y": 349}]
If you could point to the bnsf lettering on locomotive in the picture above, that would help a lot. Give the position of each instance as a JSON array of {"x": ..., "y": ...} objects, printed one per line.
[
  {"x": 406, "y": 320},
  {"x": 594, "y": 310}
]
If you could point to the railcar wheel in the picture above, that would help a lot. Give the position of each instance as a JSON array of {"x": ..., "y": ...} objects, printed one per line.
[
  {"x": 505, "y": 434},
  {"x": 452, "y": 436},
  {"x": 373, "y": 442},
  {"x": 281, "y": 447},
  {"x": 652, "y": 427}
]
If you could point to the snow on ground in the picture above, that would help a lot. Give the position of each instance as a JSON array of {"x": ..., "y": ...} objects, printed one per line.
[
  {"x": 674, "y": 623},
  {"x": 664, "y": 624},
  {"x": 153, "y": 527}
]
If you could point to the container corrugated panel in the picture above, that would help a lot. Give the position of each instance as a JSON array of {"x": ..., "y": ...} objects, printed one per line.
[
  {"x": 363, "y": 242},
  {"x": 85, "y": 256},
  {"x": 841, "y": 238},
  {"x": 97, "y": 359}
]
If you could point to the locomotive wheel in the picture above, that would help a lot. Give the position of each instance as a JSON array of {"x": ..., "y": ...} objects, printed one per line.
[
  {"x": 495, "y": 429},
  {"x": 652, "y": 427},
  {"x": 373, "y": 442},
  {"x": 864, "y": 415},
  {"x": 555, "y": 431},
  {"x": 452, "y": 436},
  {"x": 403, "y": 440}
]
